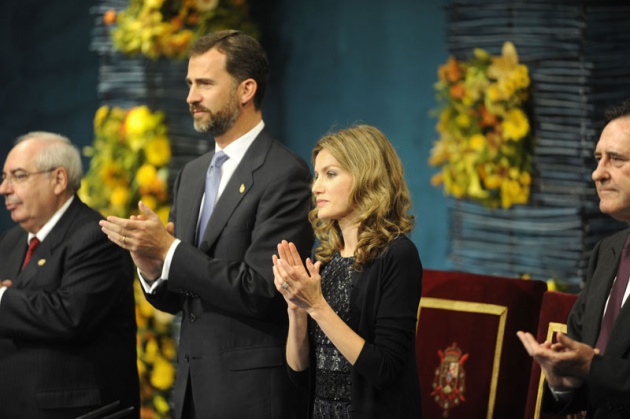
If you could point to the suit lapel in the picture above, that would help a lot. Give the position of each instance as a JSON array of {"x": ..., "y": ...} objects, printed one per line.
[
  {"x": 191, "y": 195},
  {"x": 600, "y": 287},
  {"x": 603, "y": 284},
  {"x": 53, "y": 240},
  {"x": 240, "y": 183},
  {"x": 619, "y": 340}
]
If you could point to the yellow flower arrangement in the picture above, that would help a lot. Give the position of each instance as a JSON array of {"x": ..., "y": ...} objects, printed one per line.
[
  {"x": 485, "y": 140},
  {"x": 129, "y": 160},
  {"x": 128, "y": 163},
  {"x": 156, "y": 28}
]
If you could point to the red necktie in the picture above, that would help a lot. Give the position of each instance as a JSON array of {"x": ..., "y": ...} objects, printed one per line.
[
  {"x": 616, "y": 297},
  {"x": 32, "y": 245}
]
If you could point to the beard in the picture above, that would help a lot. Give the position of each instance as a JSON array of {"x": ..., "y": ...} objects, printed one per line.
[{"x": 220, "y": 122}]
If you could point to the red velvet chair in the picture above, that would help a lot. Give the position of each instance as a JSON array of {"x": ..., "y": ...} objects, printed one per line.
[
  {"x": 553, "y": 318},
  {"x": 471, "y": 364}
]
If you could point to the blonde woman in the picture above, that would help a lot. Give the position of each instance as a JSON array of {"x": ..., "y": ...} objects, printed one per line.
[{"x": 352, "y": 311}]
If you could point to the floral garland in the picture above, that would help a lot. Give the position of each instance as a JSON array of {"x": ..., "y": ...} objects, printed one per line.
[
  {"x": 168, "y": 28},
  {"x": 128, "y": 163},
  {"x": 485, "y": 144}
]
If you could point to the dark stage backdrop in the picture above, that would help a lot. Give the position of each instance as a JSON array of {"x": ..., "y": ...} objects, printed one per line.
[
  {"x": 333, "y": 64},
  {"x": 47, "y": 73}
]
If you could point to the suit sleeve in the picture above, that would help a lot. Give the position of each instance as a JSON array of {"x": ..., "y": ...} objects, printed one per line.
[
  {"x": 77, "y": 290},
  {"x": 400, "y": 276}
]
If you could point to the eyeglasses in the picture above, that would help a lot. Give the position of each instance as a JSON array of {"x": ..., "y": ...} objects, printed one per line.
[{"x": 21, "y": 176}]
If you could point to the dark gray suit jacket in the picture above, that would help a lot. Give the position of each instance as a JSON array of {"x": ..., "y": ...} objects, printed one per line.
[
  {"x": 606, "y": 394},
  {"x": 67, "y": 325},
  {"x": 234, "y": 322}
]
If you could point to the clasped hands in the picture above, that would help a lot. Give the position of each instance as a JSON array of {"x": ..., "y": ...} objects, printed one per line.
[
  {"x": 145, "y": 236},
  {"x": 299, "y": 284},
  {"x": 566, "y": 363}
]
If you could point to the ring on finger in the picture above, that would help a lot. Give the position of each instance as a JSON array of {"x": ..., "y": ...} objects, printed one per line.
[
  {"x": 123, "y": 240},
  {"x": 285, "y": 285}
]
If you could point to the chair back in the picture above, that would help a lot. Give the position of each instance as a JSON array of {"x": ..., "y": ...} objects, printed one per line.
[
  {"x": 553, "y": 318},
  {"x": 470, "y": 362}
]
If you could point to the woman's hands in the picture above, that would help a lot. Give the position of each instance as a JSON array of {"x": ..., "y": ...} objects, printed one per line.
[
  {"x": 299, "y": 284},
  {"x": 301, "y": 287}
]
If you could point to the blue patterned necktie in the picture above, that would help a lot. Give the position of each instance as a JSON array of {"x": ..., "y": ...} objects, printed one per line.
[{"x": 213, "y": 178}]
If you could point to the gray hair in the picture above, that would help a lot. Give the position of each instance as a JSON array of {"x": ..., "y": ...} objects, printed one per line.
[{"x": 59, "y": 152}]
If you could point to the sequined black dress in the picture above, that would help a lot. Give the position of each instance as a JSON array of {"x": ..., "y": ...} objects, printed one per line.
[{"x": 332, "y": 378}]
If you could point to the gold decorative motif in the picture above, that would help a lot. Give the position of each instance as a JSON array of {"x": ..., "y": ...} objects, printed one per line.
[
  {"x": 41, "y": 262},
  {"x": 449, "y": 384},
  {"x": 242, "y": 188}
]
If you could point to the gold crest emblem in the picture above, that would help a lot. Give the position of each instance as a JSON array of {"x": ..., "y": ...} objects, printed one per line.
[{"x": 449, "y": 383}]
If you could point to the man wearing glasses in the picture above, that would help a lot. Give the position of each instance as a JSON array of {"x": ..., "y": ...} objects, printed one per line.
[{"x": 67, "y": 325}]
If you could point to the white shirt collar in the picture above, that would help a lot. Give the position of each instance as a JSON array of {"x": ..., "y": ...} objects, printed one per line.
[
  {"x": 237, "y": 148},
  {"x": 50, "y": 224}
]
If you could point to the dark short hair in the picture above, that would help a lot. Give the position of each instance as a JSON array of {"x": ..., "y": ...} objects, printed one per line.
[
  {"x": 617, "y": 111},
  {"x": 245, "y": 57}
]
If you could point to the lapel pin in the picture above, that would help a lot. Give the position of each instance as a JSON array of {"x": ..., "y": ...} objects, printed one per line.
[
  {"x": 242, "y": 188},
  {"x": 41, "y": 262}
]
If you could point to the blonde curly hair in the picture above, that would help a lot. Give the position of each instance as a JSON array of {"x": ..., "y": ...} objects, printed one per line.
[{"x": 379, "y": 193}]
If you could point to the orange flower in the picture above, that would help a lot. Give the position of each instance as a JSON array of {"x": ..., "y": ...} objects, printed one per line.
[
  {"x": 458, "y": 91},
  {"x": 453, "y": 70},
  {"x": 109, "y": 18},
  {"x": 193, "y": 19},
  {"x": 487, "y": 119},
  {"x": 177, "y": 22}
]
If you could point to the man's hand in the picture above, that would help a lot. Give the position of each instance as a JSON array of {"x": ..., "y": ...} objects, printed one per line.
[
  {"x": 566, "y": 364},
  {"x": 575, "y": 359},
  {"x": 146, "y": 238}
]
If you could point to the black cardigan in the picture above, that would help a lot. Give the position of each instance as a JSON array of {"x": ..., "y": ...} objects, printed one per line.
[{"x": 384, "y": 306}]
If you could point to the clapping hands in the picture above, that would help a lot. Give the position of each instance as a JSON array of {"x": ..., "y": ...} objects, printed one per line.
[{"x": 299, "y": 283}]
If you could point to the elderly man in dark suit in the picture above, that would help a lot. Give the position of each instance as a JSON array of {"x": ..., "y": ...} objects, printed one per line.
[
  {"x": 589, "y": 370},
  {"x": 217, "y": 273},
  {"x": 67, "y": 319}
]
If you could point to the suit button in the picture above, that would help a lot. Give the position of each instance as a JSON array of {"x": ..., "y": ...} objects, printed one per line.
[
  {"x": 187, "y": 358},
  {"x": 192, "y": 317}
]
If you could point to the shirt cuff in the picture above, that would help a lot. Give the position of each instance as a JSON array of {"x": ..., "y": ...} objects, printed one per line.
[
  {"x": 149, "y": 288},
  {"x": 560, "y": 396}
]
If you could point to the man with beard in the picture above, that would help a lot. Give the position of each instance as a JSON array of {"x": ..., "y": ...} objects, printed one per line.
[{"x": 213, "y": 266}]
